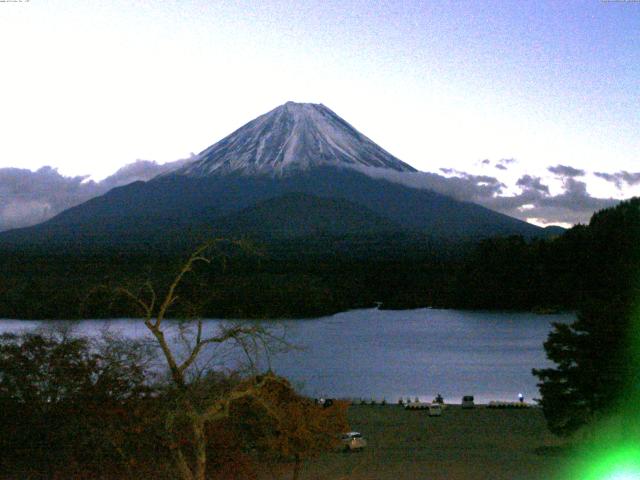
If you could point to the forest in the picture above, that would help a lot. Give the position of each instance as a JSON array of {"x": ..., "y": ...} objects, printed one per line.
[{"x": 307, "y": 277}]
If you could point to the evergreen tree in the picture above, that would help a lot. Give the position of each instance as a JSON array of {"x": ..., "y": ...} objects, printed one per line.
[{"x": 595, "y": 355}]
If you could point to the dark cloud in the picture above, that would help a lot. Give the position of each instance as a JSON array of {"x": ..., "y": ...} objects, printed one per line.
[
  {"x": 466, "y": 186},
  {"x": 463, "y": 186},
  {"x": 503, "y": 162},
  {"x": 27, "y": 197},
  {"x": 610, "y": 177},
  {"x": 620, "y": 177},
  {"x": 576, "y": 198},
  {"x": 573, "y": 205},
  {"x": 566, "y": 171},
  {"x": 535, "y": 183}
]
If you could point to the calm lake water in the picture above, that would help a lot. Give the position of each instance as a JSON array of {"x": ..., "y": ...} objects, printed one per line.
[{"x": 387, "y": 354}]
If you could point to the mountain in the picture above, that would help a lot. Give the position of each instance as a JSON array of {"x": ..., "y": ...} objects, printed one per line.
[
  {"x": 289, "y": 138},
  {"x": 304, "y": 215},
  {"x": 554, "y": 230},
  {"x": 294, "y": 171}
]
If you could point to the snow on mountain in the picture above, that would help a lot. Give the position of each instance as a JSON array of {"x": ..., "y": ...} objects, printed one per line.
[{"x": 292, "y": 137}]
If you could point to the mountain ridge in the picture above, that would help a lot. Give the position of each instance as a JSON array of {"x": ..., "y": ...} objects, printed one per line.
[
  {"x": 151, "y": 212},
  {"x": 289, "y": 138}
]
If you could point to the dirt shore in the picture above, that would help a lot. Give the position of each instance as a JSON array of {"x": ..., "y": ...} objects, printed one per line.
[{"x": 462, "y": 444}]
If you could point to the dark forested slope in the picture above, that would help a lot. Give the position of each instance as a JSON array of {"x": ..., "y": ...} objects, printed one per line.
[{"x": 320, "y": 274}]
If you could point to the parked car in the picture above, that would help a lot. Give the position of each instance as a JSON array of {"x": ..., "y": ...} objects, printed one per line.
[
  {"x": 435, "y": 410},
  {"x": 416, "y": 405},
  {"x": 353, "y": 441},
  {"x": 467, "y": 401}
]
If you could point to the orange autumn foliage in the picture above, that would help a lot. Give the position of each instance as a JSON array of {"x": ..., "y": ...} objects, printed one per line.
[{"x": 292, "y": 427}]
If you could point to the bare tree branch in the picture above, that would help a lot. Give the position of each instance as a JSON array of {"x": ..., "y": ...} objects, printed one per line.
[
  {"x": 171, "y": 297},
  {"x": 146, "y": 308},
  {"x": 152, "y": 303},
  {"x": 233, "y": 333},
  {"x": 221, "y": 408}
]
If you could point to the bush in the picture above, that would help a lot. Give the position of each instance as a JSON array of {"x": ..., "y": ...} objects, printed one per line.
[{"x": 70, "y": 407}]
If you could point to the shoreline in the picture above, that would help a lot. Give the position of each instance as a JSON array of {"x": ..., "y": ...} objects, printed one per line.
[{"x": 331, "y": 313}]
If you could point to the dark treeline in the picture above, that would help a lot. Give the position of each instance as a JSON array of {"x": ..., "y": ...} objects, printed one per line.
[
  {"x": 305, "y": 277},
  {"x": 597, "y": 358},
  {"x": 315, "y": 276}
]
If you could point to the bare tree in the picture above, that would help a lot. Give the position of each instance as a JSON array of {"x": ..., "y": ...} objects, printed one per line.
[{"x": 191, "y": 459}]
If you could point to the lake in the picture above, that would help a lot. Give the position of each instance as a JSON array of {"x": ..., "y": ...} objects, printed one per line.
[{"x": 380, "y": 354}]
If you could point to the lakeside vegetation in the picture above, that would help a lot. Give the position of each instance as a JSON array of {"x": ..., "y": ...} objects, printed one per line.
[
  {"x": 310, "y": 277},
  {"x": 73, "y": 408}
]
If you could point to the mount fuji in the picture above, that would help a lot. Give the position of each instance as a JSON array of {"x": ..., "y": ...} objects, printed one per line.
[
  {"x": 290, "y": 138},
  {"x": 296, "y": 171}
]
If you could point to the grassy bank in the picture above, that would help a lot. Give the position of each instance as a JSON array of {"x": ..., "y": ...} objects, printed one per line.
[{"x": 462, "y": 444}]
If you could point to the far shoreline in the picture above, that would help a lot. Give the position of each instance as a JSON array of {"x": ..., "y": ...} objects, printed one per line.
[{"x": 542, "y": 312}]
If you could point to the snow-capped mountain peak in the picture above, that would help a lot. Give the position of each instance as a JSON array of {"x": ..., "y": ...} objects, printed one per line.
[{"x": 292, "y": 137}]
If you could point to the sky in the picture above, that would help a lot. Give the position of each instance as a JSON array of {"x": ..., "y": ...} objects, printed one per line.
[{"x": 522, "y": 101}]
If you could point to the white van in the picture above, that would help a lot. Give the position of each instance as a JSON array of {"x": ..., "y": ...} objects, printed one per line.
[{"x": 435, "y": 410}]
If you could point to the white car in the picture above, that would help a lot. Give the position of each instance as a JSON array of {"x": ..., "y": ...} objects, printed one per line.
[
  {"x": 435, "y": 410},
  {"x": 416, "y": 405},
  {"x": 353, "y": 441}
]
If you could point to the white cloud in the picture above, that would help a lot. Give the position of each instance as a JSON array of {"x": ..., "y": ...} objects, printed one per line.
[
  {"x": 574, "y": 204},
  {"x": 30, "y": 197}
]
